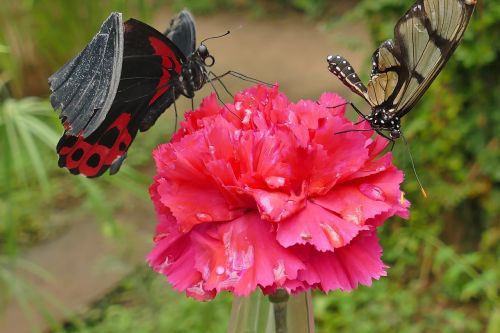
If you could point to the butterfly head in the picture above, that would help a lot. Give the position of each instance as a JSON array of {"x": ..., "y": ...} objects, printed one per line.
[
  {"x": 204, "y": 55},
  {"x": 395, "y": 133}
]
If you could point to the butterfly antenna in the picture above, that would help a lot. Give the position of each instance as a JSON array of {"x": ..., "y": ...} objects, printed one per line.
[
  {"x": 214, "y": 37},
  {"x": 413, "y": 167}
]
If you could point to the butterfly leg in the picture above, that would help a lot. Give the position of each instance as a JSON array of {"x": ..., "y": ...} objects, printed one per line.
[
  {"x": 353, "y": 106},
  {"x": 212, "y": 76},
  {"x": 244, "y": 77},
  {"x": 219, "y": 98},
  {"x": 176, "y": 114},
  {"x": 354, "y": 130},
  {"x": 358, "y": 111},
  {"x": 335, "y": 106},
  {"x": 379, "y": 132}
]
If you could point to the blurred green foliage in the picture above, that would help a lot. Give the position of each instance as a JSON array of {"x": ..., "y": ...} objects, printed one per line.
[
  {"x": 444, "y": 274},
  {"x": 42, "y": 34},
  {"x": 32, "y": 188},
  {"x": 143, "y": 304},
  {"x": 37, "y": 37}
]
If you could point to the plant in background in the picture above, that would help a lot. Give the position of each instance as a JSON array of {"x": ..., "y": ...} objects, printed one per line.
[{"x": 43, "y": 35}]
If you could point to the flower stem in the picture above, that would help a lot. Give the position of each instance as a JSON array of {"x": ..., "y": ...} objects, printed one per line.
[{"x": 280, "y": 301}]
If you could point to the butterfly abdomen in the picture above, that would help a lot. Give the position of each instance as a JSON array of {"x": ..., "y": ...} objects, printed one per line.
[{"x": 340, "y": 67}]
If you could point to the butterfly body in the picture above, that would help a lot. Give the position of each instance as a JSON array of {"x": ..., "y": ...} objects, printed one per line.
[
  {"x": 194, "y": 74},
  {"x": 384, "y": 120},
  {"x": 403, "y": 68}
]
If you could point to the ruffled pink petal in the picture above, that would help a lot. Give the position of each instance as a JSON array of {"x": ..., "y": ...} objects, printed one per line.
[
  {"x": 269, "y": 194},
  {"x": 335, "y": 159},
  {"x": 334, "y": 103},
  {"x": 357, "y": 263},
  {"x": 194, "y": 119},
  {"x": 277, "y": 206},
  {"x": 319, "y": 227},
  {"x": 242, "y": 255},
  {"x": 364, "y": 198},
  {"x": 174, "y": 256},
  {"x": 192, "y": 204},
  {"x": 310, "y": 114}
]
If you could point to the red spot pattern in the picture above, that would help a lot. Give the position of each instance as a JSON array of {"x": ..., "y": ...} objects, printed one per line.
[
  {"x": 107, "y": 155},
  {"x": 169, "y": 60}
]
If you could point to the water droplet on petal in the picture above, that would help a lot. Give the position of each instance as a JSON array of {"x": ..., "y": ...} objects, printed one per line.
[
  {"x": 371, "y": 191},
  {"x": 380, "y": 169},
  {"x": 204, "y": 217},
  {"x": 211, "y": 149},
  {"x": 238, "y": 105},
  {"x": 275, "y": 182},
  {"x": 219, "y": 270},
  {"x": 248, "y": 115}
]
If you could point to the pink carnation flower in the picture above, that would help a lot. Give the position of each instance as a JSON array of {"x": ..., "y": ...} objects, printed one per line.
[{"x": 271, "y": 198}]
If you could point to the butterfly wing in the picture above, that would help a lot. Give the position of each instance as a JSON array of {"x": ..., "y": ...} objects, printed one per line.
[
  {"x": 425, "y": 38},
  {"x": 85, "y": 87},
  {"x": 151, "y": 65},
  {"x": 388, "y": 76},
  {"x": 182, "y": 32}
]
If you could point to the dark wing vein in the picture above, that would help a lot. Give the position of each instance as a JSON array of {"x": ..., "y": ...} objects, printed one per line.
[{"x": 442, "y": 36}]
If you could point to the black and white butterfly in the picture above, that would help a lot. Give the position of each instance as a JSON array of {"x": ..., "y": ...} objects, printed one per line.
[{"x": 403, "y": 68}]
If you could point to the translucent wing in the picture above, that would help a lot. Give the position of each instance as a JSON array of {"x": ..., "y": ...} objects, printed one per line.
[
  {"x": 84, "y": 89},
  {"x": 182, "y": 32},
  {"x": 387, "y": 77},
  {"x": 425, "y": 38}
]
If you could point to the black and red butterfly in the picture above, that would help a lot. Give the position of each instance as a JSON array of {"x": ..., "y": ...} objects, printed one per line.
[{"x": 121, "y": 82}]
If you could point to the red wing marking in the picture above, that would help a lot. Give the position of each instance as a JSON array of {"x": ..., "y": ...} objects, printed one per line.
[
  {"x": 81, "y": 156},
  {"x": 169, "y": 61}
]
